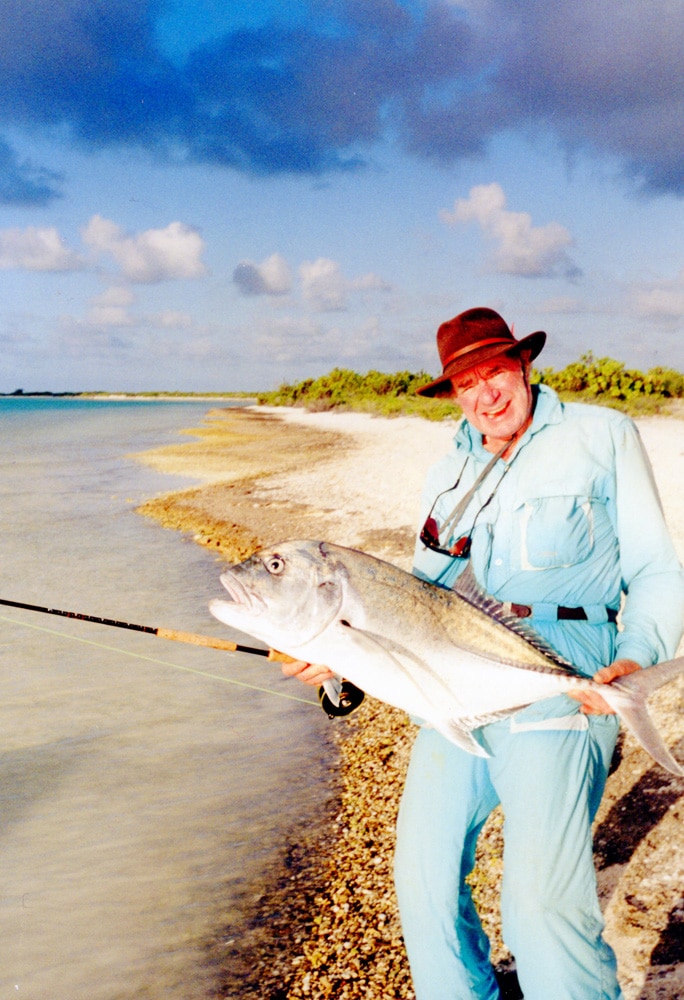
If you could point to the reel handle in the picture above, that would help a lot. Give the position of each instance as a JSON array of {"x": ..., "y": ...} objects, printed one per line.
[{"x": 350, "y": 697}]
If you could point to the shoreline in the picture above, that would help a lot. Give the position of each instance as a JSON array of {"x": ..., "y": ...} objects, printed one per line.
[
  {"x": 164, "y": 397},
  {"x": 275, "y": 473}
]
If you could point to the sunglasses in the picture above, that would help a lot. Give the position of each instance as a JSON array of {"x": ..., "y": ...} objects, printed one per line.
[
  {"x": 429, "y": 536},
  {"x": 430, "y": 532}
]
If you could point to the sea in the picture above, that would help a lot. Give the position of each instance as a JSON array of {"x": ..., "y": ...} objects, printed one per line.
[{"x": 147, "y": 787}]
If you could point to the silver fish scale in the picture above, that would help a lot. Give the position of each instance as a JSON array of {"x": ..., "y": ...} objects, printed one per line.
[{"x": 465, "y": 616}]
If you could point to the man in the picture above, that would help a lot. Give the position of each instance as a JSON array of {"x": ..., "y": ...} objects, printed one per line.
[{"x": 555, "y": 508}]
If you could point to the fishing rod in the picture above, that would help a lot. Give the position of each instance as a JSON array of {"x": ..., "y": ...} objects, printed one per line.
[
  {"x": 337, "y": 697},
  {"x": 162, "y": 633}
]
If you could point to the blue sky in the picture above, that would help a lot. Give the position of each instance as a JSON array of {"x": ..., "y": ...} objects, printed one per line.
[{"x": 214, "y": 195}]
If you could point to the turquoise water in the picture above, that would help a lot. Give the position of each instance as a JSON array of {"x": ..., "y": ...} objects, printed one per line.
[{"x": 144, "y": 794}]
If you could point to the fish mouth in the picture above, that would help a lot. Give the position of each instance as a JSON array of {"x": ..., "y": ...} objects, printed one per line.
[{"x": 238, "y": 593}]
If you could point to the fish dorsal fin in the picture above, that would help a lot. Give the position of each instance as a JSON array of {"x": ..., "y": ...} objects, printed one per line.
[{"x": 468, "y": 589}]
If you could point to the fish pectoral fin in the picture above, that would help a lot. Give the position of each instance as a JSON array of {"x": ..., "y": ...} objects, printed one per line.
[
  {"x": 414, "y": 668},
  {"x": 333, "y": 688},
  {"x": 461, "y": 737},
  {"x": 388, "y": 646},
  {"x": 423, "y": 679}
]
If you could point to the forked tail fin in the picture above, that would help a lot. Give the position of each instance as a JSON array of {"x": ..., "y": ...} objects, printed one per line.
[{"x": 627, "y": 696}]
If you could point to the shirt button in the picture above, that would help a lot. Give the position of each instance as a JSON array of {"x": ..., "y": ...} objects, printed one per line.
[{"x": 498, "y": 562}]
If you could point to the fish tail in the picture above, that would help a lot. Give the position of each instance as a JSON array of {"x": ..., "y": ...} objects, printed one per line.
[{"x": 627, "y": 696}]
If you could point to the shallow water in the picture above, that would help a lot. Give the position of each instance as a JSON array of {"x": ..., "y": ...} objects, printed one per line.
[{"x": 143, "y": 793}]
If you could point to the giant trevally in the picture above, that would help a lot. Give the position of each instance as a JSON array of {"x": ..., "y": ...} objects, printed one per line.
[{"x": 453, "y": 659}]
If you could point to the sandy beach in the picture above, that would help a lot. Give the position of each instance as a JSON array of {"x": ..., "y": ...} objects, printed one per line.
[{"x": 329, "y": 927}]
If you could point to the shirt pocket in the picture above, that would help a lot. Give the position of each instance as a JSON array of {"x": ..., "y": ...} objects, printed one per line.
[{"x": 556, "y": 532}]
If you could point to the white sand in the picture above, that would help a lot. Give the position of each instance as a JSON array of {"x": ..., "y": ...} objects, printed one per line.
[{"x": 378, "y": 483}]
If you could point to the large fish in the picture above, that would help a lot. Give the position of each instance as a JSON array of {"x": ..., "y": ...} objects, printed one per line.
[{"x": 453, "y": 659}]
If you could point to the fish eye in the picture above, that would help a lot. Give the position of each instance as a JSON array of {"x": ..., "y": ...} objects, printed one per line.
[{"x": 275, "y": 564}]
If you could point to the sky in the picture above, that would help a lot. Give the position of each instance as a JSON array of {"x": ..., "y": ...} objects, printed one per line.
[{"x": 206, "y": 195}]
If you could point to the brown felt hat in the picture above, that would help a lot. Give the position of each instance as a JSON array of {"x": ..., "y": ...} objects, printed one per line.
[{"x": 469, "y": 339}]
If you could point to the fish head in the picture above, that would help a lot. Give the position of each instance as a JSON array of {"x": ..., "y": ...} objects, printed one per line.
[{"x": 285, "y": 595}]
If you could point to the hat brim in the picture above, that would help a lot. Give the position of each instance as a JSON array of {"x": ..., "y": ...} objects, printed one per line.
[{"x": 441, "y": 386}]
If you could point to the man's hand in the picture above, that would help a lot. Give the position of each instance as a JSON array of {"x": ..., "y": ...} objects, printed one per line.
[
  {"x": 591, "y": 701},
  {"x": 309, "y": 673}
]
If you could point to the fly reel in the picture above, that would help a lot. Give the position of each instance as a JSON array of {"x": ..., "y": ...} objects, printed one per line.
[{"x": 349, "y": 698}]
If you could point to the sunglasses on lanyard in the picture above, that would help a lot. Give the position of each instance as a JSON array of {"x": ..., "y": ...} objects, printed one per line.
[{"x": 430, "y": 532}]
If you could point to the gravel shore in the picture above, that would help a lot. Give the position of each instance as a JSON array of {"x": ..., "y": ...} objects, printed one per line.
[{"x": 328, "y": 925}]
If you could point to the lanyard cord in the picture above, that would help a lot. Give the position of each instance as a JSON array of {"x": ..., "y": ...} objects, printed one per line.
[{"x": 460, "y": 508}]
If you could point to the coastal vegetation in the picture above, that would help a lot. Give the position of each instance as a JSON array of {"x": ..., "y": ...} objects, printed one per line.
[
  {"x": 375, "y": 392},
  {"x": 591, "y": 380}
]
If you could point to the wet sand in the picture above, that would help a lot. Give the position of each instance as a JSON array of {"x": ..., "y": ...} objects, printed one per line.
[{"x": 328, "y": 925}]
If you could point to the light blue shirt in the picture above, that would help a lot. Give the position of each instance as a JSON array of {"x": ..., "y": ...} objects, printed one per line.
[{"x": 574, "y": 520}]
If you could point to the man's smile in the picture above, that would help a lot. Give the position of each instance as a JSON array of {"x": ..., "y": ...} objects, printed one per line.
[{"x": 496, "y": 414}]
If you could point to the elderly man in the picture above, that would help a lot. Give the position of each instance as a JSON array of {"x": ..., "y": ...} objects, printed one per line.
[{"x": 555, "y": 509}]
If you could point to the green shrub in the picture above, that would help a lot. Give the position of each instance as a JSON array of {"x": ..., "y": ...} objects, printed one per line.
[
  {"x": 595, "y": 380},
  {"x": 604, "y": 380},
  {"x": 375, "y": 392}
]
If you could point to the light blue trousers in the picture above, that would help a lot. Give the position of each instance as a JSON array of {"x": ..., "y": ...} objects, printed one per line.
[{"x": 549, "y": 784}]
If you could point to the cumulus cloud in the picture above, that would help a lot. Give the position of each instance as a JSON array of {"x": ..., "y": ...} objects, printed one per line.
[
  {"x": 369, "y": 283},
  {"x": 661, "y": 301},
  {"x": 520, "y": 247},
  {"x": 440, "y": 78},
  {"x": 34, "y": 249},
  {"x": 325, "y": 287},
  {"x": 323, "y": 284},
  {"x": 171, "y": 319},
  {"x": 110, "y": 308},
  {"x": 151, "y": 256},
  {"x": 271, "y": 277},
  {"x": 286, "y": 340}
]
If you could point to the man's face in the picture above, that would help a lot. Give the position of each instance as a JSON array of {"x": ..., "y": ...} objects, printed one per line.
[{"x": 495, "y": 397}]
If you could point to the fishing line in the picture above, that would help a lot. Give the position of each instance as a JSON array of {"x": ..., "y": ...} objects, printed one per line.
[{"x": 153, "y": 659}]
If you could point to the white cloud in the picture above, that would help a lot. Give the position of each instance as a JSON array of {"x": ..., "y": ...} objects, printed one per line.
[
  {"x": 288, "y": 340},
  {"x": 520, "y": 248},
  {"x": 323, "y": 284},
  {"x": 171, "y": 319},
  {"x": 661, "y": 301},
  {"x": 325, "y": 287},
  {"x": 151, "y": 256},
  {"x": 35, "y": 249},
  {"x": 110, "y": 308},
  {"x": 271, "y": 277},
  {"x": 369, "y": 283}
]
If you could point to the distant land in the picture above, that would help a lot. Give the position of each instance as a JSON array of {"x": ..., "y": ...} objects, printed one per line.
[
  {"x": 20, "y": 392},
  {"x": 152, "y": 394}
]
